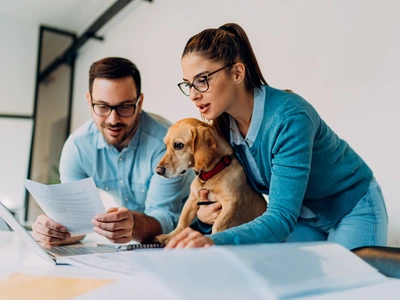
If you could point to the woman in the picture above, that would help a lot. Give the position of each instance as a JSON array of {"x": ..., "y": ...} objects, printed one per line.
[{"x": 319, "y": 188}]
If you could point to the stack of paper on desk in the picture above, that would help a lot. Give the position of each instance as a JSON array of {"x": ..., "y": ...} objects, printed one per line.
[{"x": 265, "y": 271}]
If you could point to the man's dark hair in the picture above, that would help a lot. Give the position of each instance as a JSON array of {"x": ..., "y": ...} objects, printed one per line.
[{"x": 114, "y": 68}]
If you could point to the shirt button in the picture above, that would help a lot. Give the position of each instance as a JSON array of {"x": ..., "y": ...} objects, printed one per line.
[
  {"x": 126, "y": 199},
  {"x": 121, "y": 181},
  {"x": 107, "y": 188},
  {"x": 142, "y": 190},
  {"x": 120, "y": 159}
]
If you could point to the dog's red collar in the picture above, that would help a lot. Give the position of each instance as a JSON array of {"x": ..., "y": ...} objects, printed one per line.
[{"x": 225, "y": 161}]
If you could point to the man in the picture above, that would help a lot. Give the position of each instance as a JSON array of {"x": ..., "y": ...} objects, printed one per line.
[{"x": 120, "y": 149}]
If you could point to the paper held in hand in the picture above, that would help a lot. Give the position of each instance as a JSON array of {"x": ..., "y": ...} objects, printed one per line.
[{"x": 72, "y": 204}]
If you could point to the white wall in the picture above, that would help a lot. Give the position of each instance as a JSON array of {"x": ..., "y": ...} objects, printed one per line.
[
  {"x": 342, "y": 56},
  {"x": 18, "y": 53}
]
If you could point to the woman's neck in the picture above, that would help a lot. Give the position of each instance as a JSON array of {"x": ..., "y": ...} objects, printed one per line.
[{"x": 243, "y": 111}]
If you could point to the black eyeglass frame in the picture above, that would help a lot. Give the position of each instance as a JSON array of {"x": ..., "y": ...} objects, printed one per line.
[
  {"x": 115, "y": 107},
  {"x": 205, "y": 77}
]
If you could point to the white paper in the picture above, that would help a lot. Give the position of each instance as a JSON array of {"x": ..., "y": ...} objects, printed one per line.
[
  {"x": 190, "y": 274},
  {"x": 264, "y": 271},
  {"x": 72, "y": 204},
  {"x": 294, "y": 269},
  {"x": 388, "y": 290}
]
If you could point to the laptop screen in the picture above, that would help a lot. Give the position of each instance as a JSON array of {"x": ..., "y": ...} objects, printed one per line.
[{"x": 25, "y": 236}]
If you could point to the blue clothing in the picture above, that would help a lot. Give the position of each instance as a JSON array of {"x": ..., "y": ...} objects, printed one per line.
[
  {"x": 291, "y": 155},
  {"x": 129, "y": 174},
  {"x": 365, "y": 225}
]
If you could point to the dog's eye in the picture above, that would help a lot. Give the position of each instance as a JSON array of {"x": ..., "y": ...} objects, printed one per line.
[{"x": 178, "y": 146}]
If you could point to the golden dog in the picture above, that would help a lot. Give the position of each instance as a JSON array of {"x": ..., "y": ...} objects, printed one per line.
[{"x": 192, "y": 143}]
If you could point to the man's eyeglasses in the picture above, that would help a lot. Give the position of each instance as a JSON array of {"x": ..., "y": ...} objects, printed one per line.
[
  {"x": 200, "y": 83},
  {"x": 124, "y": 110}
]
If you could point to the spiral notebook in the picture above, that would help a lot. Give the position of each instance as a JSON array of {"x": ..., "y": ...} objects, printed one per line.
[{"x": 130, "y": 247}]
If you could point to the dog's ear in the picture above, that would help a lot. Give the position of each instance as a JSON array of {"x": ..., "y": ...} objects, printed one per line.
[{"x": 204, "y": 146}]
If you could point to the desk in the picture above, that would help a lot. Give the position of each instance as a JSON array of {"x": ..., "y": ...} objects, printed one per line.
[{"x": 16, "y": 258}]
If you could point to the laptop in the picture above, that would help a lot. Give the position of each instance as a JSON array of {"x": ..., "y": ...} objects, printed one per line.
[{"x": 54, "y": 255}]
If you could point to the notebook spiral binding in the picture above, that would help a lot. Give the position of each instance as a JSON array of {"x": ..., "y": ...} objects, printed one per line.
[{"x": 130, "y": 247}]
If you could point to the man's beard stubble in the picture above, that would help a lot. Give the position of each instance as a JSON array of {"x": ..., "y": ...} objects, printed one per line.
[{"x": 116, "y": 141}]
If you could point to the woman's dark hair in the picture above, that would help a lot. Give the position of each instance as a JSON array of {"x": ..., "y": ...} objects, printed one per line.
[
  {"x": 227, "y": 44},
  {"x": 114, "y": 68}
]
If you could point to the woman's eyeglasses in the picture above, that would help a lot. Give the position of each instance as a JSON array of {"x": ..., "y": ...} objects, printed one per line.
[{"x": 200, "y": 83}]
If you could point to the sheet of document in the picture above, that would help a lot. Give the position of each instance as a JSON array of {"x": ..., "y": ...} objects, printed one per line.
[
  {"x": 296, "y": 269},
  {"x": 388, "y": 290},
  {"x": 264, "y": 271},
  {"x": 72, "y": 204},
  {"x": 191, "y": 274}
]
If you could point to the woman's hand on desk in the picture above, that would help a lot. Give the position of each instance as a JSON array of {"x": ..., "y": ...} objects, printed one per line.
[
  {"x": 189, "y": 238},
  {"x": 51, "y": 234}
]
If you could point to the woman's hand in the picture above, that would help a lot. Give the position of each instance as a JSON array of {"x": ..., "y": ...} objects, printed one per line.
[
  {"x": 189, "y": 238},
  {"x": 208, "y": 213}
]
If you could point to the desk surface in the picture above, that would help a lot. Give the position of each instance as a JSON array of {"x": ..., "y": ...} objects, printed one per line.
[{"x": 15, "y": 258}]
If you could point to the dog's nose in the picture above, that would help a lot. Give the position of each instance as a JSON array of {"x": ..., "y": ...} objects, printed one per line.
[{"x": 160, "y": 171}]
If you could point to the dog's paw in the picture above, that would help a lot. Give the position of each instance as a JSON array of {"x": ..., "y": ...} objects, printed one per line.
[{"x": 162, "y": 239}]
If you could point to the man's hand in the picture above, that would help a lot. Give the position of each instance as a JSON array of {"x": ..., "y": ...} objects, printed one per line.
[
  {"x": 51, "y": 234},
  {"x": 116, "y": 225},
  {"x": 208, "y": 213},
  {"x": 119, "y": 225},
  {"x": 189, "y": 238}
]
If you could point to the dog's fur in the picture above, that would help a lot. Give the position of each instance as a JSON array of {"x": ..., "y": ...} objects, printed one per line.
[{"x": 192, "y": 143}]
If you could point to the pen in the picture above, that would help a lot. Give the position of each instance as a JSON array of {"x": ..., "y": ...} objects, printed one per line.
[
  {"x": 205, "y": 202},
  {"x": 106, "y": 246}
]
